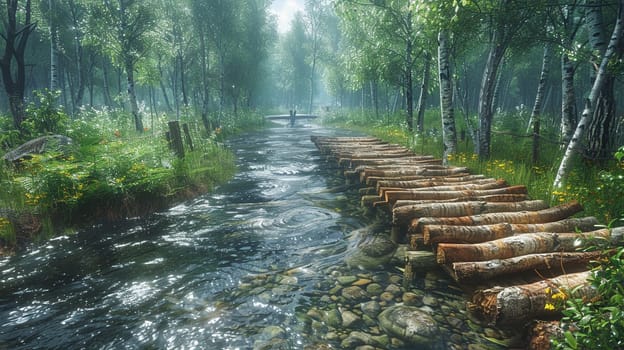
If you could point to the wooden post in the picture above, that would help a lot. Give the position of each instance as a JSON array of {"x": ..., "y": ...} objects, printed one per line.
[
  {"x": 176, "y": 138},
  {"x": 187, "y": 136}
]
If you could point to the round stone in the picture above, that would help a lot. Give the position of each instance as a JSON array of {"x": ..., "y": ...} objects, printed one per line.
[
  {"x": 374, "y": 289},
  {"x": 354, "y": 293},
  {"x": 409, "y": 324},
  {"x": 371, "y": 308}
]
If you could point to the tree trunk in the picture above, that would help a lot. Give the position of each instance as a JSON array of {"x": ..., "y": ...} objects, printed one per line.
[
  {"x": 15, "y": 46},
  {"x": 528, "y": 243},
  {"x": 568, "y": 100},
  {"x": 424, "y": 92},
  {"x": 518, "y": 304},
  {"x": 486, "y": 95},
  {"x": 108, "y": 100},
  {"x": 53, "y": 51},
  {"x": 590, "y": 105},
  {"x": 449, "y": 136},
  {"x": 409, "y": 85},
  {"x": 599, "y": 127},
  {"x": 163, "y": 89},
  {"x": 559, "y": 212},
  {"x": 134, "y": 107},
  {"x": 537, "y": 107}
]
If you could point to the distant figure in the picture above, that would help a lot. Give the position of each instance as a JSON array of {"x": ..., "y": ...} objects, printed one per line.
[{"x": 292, "y": 118}]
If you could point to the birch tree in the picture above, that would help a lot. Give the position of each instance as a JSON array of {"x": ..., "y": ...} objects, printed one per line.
[
  {"x": 449, "y": 136},
  {"x": 614, "y": 47}
]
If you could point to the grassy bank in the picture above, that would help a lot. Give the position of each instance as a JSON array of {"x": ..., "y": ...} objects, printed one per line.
[
  {"x": 599, "y": 188},
  {"x": 110, "y": 172}
]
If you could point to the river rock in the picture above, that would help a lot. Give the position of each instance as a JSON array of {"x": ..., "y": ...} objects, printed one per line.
[
  {"x": 354, "y": 293},
  {"x": 346, "y": 280},
  {"x": 409, "y": 324},
  {"x": 374, "y": 289},
  {"x": 357, "y": 338},
  {"x": 412, "y": 299},
  {"x": 372, "y": 252},
  {"x": 371, "y": 308},
  {"x": 333, "y": 318},
  {"x": 350, "y": 319}
]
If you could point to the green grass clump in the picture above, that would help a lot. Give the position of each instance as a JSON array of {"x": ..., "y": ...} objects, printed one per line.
[{"x": 109, "y": 173}]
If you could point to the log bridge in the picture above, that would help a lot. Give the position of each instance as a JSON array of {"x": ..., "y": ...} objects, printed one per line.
[{"x": 509, "y": 253}]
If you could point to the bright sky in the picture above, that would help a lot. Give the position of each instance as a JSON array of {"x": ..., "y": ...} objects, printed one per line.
[{"x": 285, "y": 10}]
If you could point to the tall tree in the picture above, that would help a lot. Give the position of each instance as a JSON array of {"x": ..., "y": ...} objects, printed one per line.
[
  {"x": 446, "y": 97},
  {"x": 121, "y": 28},
  {"x": 390, "y": 34},
  {"x": 12, "y": 63},
  {"x": 614, "y": 47},
  {"x": 600, "y": 128}
]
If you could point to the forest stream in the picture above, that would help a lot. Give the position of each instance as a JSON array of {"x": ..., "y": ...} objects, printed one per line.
[{"x": 240, "y": 268}]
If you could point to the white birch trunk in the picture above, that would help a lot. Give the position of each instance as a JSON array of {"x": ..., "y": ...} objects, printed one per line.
[
  {"x": 539, "y": 97},
  {"x": 134, "y": 107},
  {"x": 449, "y": 136},
  {"x": 568, "y": 100},
  {"x": 590, "y": 105}
]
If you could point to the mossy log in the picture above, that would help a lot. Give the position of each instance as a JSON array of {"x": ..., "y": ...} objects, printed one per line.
[
  {"x": 508, "y": 247},
  {"x": 519, "y": 304},
  {"x": 393, "y": 196},
  {"x": 545, "y": 263},
  {"x": 556, "y": 213},
  {"x": 404, "y": 214}
]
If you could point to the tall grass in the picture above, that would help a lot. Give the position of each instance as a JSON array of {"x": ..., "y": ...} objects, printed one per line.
[
  {"x": 599, "y": 188},
  {"x": 111, "y": 172}
]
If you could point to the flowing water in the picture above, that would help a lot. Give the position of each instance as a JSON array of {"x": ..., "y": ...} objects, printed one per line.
[
  {"x": 257, "y": 264},
  {"x": 175, "y": 279}
]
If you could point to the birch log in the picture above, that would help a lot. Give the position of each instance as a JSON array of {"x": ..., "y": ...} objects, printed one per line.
[
  {"x": 519, "y": 304},
  {"x": 452, "y": 187},
  {"x": 559, "y": 212},
  {"x": 403, "y": 215},
  {"x": 490, "y": 198},
  {"x": 477, "y": 271},
  {"x": 508, "y": 247},
  {"x": 393, "y": 196},
  {"x": 433, "y": 234},
  {"x": 430, "y": 182}
]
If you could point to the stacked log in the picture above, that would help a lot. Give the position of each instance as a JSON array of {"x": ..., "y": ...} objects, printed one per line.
[{"x": 492, "y": 239}]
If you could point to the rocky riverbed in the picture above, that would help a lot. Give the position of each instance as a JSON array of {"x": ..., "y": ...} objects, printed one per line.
[{"x": 365, "y": 304}]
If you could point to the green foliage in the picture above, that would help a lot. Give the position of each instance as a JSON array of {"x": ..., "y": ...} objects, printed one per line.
[
  {"x": 9, "y": 136},
  {"x": 44, "y": 116},
  {"x": 114, "y": 172},
  {"x": 597, "y": 323}
]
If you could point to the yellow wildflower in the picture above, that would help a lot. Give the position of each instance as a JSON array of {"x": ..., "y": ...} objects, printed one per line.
[{"x": 549, "y": 307}]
